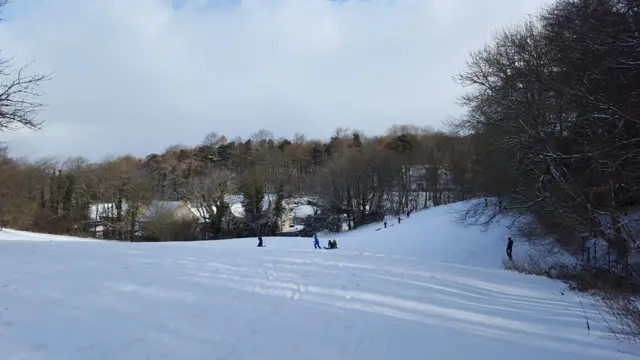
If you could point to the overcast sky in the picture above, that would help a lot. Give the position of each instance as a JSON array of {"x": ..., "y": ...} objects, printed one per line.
[{"x": 135, "y": 76}]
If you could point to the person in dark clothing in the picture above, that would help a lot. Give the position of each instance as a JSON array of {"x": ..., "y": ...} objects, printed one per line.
[
  {"x": 399, "y": 219},
  {"x": 409, "y": 213},
  {"x": 510, "y": 248},
  {"x": 385, "y": 224},
  {"x": 260, "y": 241},
  {"x": 332, "y": 244}
]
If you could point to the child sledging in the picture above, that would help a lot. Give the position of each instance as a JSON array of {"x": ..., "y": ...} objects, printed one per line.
[{"x": 332, "y": 245}]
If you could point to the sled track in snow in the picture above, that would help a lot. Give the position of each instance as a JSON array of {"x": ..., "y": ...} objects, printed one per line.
[
  {"x": 192, "y": 300},
  {"x": 439, "y": 298}
]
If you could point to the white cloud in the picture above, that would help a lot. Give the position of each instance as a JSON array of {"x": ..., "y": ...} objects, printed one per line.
[{"x": 138, "y": 76}]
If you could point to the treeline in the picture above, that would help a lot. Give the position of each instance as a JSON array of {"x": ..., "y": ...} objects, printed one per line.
[
  {"x": 353, "y": 180},
  {"x": 555, "y": 117}
]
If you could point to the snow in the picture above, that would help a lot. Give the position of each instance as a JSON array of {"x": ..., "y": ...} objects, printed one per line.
[
  {"x": 303, "y": 211},
  {"x": 99, "y": 210},
  {"x": 293, "y": 228},
  {"x": 201, "y": 213},
  {"x": 426, "y": 288},
  {"x": 237, "y": 209},
  {"x": 9, "y": 234}
]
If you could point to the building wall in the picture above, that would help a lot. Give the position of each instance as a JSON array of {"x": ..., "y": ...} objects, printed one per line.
[{"x": 286, "y": 221}]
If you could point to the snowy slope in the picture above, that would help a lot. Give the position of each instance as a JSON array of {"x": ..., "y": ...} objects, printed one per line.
[
  {"x": 424, "y": 289},
  {"x": 10, "y": 234}
]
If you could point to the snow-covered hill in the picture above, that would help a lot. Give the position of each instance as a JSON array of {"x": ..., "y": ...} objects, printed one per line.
[{"x": 422, "y": 289}]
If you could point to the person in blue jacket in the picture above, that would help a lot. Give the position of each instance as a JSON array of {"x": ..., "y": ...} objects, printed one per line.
[{"x": 316, "y": 242}]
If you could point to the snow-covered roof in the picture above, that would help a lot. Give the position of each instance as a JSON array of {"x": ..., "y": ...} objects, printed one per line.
[
  {"x": 200, "y": 212},
  {"x": 293, "y": 228},
  {"x": 96, "y": 211},
  {"x": 235, "y": 203},
  {"x": 237, "y": 210},
  {"x": 303, "y": 211},
  {"x": 156, "y": 206}
]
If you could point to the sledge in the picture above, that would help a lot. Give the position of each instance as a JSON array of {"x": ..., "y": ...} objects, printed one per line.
[
  {"x": 326, "y": 248},
  {"x": 378, "y": 229}
]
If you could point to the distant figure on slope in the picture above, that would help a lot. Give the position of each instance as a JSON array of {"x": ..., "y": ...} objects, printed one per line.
[
  {"x": 385, "y": 224},
  {"x": 509, "y": 248},
  {"x": 335, "y": 244},
  {"x": 260, "y": 241},
  {"x": 316, "y": 242},
  {"x": 399, "y": 218},
  {"x": 409, "y": 213}
]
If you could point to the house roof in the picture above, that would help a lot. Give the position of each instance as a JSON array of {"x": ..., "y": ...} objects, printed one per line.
[
  {"x": 158, "y": 205},
  {"x": 200, "y": 212},
  {"x": 303, "y": 211},
  {"x": 235, "y": 203}
]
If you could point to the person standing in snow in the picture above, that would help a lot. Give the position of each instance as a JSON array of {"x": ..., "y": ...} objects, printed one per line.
[
  {"x": 316, "y": 242},
  {"x": 385, "y": 224},
  {"x": 409, "y": 213},
  {"x": 509, "y": 248},
  {"x": 399, "y": 218}
]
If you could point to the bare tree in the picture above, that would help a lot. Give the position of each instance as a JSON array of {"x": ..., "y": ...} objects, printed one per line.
[
  {"x": 262, "y": 139},
  {"x": 18, "y": 97},
  {"x": 19, "y": 93},
  {"x": 207, "y": 194},
  {"x": 213, "y": 139},
  {"x": 554, "y": 114},
  {"x": 262, "y": 135}
]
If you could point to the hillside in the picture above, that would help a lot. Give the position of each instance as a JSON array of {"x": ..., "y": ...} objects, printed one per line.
[{"x": 425, "y": 288}]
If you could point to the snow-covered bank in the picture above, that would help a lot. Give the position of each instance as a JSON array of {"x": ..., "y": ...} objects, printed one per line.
[
  {"x": 425, "y": 288},
  {"x": 10, "y": 234}
]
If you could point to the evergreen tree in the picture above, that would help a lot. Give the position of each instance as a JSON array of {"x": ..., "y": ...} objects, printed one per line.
[
  {"x": 119, "y": 205},
  {"x": 43, "y": 199},
  {"x": 252, "y": 202},
  {"x": 67, "y": 198},
  {"x": 357, "y": 141},
  {"x": 221, "y": 211},
  {"x": 278, "y": 208},
  {"x": 53, "y": 194},
  {"x": 253, "y": 199}
]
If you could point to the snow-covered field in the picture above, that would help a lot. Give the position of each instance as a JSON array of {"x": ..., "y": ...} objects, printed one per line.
[{"x": 423, "y": 289}]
